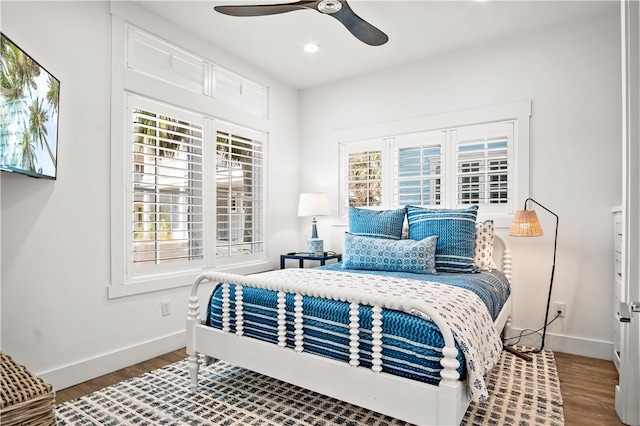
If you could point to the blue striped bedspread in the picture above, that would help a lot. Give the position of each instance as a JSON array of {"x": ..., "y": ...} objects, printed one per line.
[{"x": 411, "y": 346}]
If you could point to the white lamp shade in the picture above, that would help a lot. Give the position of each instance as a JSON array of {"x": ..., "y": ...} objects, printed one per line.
[{"x": 313, "y": 204}]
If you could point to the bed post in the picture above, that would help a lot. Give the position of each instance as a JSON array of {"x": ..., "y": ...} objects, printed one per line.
[
  {"x": 505, "y": 267},
  {"x": 449, "y": 387},
  {"x": 193, "y": 319}
]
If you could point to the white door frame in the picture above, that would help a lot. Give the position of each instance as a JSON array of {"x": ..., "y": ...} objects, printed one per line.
[{"x": 628, "y": 390}]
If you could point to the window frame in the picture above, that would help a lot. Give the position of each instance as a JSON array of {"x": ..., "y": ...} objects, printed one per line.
[
  {"x": 135, "y": 272},
  {"x": 518, "y": 112},
  {"x": 355, "y": 147},
  {"x": 232, "y": 129},
  {"x": 490, "y": 132},
  {"x": 436, "y": 138},
  {"x": 126, "y": 81}
]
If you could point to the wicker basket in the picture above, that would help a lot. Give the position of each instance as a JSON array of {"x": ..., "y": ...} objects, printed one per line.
[{"x": 26, "y": 399}]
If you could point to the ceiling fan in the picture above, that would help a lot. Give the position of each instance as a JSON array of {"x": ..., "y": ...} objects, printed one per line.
[{"x": 338, "y": 9}]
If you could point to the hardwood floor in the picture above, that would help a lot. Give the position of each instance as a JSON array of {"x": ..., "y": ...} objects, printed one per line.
[
  {"x": 588, "y": 390},
  {"x": 98, "y": 383},
  {"x": 587, "y": 386}
]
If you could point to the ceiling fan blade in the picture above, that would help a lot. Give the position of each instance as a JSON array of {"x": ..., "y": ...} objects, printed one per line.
[
  {"x": 360, "y": 28},
  {"x": 266, "y": 9}
]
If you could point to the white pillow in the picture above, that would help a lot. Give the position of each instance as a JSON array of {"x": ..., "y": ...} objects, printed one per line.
[{"x": 484, "y": 246}]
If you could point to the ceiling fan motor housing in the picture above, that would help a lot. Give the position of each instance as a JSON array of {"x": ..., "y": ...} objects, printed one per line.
[{"x": 329, "y": 6}]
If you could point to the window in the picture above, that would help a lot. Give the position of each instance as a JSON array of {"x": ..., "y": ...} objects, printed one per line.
[
  {"x": 194, "y": 192},
  {"x": 364, "y": 174},
  {"x": 167, "y": 224},
  {"x": 440, "y": 169},
  {"x": 239, "y": 189},
  {"x": 483, "y": 155},
  {"x": 187, "y": 165},
  {"x": 417, "y": 169}
]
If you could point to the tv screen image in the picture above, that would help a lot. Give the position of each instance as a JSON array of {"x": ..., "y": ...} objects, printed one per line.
[{"x": 29, "y": 97}]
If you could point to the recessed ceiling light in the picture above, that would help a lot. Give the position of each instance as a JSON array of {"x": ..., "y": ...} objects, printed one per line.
[{"x": 311, "y": 47}]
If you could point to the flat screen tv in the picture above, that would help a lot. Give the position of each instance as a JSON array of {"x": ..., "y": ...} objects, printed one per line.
[{"x": 30, "y": 97}]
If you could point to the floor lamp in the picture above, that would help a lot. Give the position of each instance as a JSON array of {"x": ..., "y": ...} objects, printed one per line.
[{"x": 526, "y": 224}]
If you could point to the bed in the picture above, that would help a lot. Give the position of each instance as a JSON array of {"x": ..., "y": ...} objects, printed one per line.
[{"x": 370, "y": 331}]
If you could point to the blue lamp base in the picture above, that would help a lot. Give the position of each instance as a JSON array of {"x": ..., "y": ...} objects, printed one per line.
[{"x": 315, "y": 247}]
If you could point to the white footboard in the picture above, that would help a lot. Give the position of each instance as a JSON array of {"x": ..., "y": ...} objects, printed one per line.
[{"x": 405, "y": 399}]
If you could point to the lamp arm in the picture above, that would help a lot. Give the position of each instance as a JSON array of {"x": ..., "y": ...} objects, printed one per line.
[
  {"x": 555, "y": 242},
  {"x": 531, "y": 199},
  {"x": 553, "y": 267}
]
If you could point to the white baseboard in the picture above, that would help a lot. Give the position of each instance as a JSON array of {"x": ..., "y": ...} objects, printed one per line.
[
  {"x": 81, "y": 371},
  {"x": 567, "y": 344}
]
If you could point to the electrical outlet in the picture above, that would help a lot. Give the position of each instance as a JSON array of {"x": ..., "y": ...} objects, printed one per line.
[
  {"x": 560, "y": 308},
  {"x": 165, "y": 306}
]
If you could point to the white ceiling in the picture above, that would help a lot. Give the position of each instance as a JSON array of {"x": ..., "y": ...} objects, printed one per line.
[{"x": 416, "y": 29}]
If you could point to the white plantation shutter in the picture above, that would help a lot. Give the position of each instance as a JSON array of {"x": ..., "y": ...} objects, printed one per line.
[
  {"x": 166, "y": 197},
  {"x": 482, "y": 166},
  {"x": 482, "y": 172},
  {"x": 178, "y": 209},
  {"x": 440, "y": 169},
  {"x": 239, "y": 191},
  {"x": 155, "y": 57},
  {"x": 240, "y": 92},
  {"x": 418, "y": 169}
]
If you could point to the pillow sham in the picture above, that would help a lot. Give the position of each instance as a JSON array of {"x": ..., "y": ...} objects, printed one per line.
[
  {"x": 484, "y": 246},
  {"x": 378, "y": 254},
  {"x": 376, "y": 223},
  {"x": 456, "y": 231}
]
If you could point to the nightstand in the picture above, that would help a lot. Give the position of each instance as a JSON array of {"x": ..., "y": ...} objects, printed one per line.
[{"x": 302, "y": 256}]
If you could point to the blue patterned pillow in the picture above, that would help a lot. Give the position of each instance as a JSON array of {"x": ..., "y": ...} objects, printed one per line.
[
  {"x": 376, "y": 223},
  {"x": 378, "y": 254},
  {"x": 456, "y": 231}
]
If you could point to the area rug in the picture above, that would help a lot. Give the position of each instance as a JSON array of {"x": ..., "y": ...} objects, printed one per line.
[{"x": 522, "y": 393}]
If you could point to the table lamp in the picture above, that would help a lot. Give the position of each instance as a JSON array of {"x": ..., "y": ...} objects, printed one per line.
[{"x": 314, "y": 204}]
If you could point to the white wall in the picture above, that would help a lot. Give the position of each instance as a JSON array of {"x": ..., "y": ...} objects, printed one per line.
[
  {"x": 56, "y": 317},
  {"x": 572, "y": 75}
]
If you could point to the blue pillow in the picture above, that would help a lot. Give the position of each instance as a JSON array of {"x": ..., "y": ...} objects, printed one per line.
[
  {"x": 456, "y": 231},
  {"x": 378, "y": 254},
  {"x": 376, "y": 223}
]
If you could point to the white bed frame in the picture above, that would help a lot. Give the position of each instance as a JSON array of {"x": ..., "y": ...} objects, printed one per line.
[{"x": 404, "y": 399}]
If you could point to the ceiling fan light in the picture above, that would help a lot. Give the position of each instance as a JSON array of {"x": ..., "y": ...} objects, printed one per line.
[{"x": 329, "y": 6}]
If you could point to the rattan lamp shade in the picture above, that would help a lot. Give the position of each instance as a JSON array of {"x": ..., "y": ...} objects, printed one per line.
[{"x": 525, "y": 224}]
